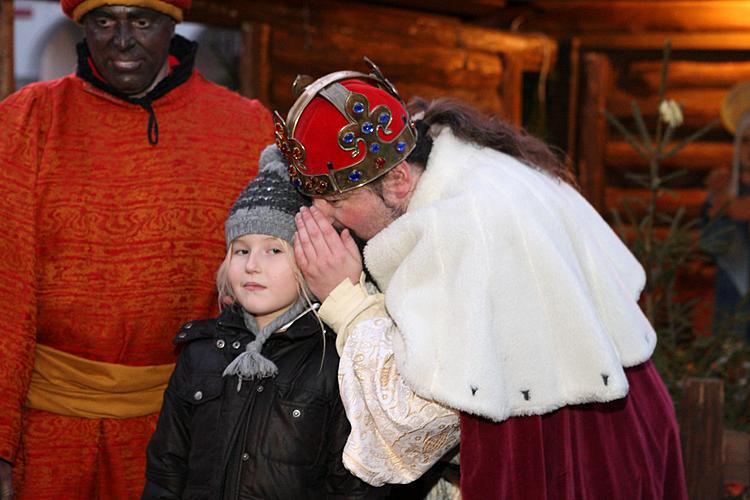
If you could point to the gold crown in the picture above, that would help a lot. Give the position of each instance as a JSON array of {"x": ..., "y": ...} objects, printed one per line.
[{"x": 363, "y": 124}]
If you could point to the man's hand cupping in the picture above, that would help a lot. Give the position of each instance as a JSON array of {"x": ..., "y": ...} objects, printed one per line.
[{"x": 324, "y": 257}]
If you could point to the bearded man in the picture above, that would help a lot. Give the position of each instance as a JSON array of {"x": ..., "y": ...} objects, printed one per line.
[
  {"x": 508, "y": 309},
  {"x": 114, "y": 185}
]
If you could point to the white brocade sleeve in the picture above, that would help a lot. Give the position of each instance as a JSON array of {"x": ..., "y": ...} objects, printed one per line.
[{"x": 396, "y": 435}]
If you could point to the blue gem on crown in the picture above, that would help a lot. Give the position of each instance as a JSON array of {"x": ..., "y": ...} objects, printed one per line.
[
  {"x": 355, "y": 176},
  {"x": 348, "y": 138},
  {"x": 401, "y": 146},
  {"x": 367, "y": 128},
  {"x": 374, "y": 147},
  {"x": 384, "y": 118},
  {"x": 358, "y": 107},
  {"x": 297, "y": 183}
]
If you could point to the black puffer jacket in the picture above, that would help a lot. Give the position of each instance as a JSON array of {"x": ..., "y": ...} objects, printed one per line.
[{"x": 276, "y": 438}]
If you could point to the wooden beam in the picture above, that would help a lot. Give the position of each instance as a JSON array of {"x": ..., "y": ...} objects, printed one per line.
[
  {"x": 217, "y": 14},
  {"x": 397, "y": 22},
  {"x": 488, "y": 101},
  {"x": 532, "y": 50},
  {"x": 700, "y": 106},
  {"x": 688, "y": 74},
  {"x": 737, "y": 457},
  {"x": 319, "y": 36},
  {"x": 700, "y": 156},
  {"x": 7, "y": 78},
  {"x": 573, "y": 95},
  {"x": 637, "y": 16},
  {"x": 330, "y": 16},
  {"x": 617, "y": 199},
  {"x": 255, "y": 66},
  {"x": 694, "y": 40},
  {"x": 701, "y": 428},
  {"x": 465, "y": 7},
  {"x": 356, "y": 10},
  {"x": 597, "y": 81},
  {"x": 449, "y": 67},
  {"x": 512, "y": 89}
]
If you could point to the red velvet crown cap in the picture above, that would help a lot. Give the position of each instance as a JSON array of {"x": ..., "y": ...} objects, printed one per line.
[
  {"x": 76, "y": 9},
  {"x": 345, "y": 130},
  {"x": 319, "y": 125}
]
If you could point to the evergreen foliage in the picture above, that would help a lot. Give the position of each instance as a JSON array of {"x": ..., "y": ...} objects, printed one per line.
[{"x": 667, "y": 247}]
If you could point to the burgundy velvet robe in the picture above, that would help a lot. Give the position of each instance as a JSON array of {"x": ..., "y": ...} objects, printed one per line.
[{"x": 627, "y": 449}]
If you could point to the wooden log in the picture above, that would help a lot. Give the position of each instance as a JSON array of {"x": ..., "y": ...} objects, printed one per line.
[
  {"x": 7, "y": 77},
  {"x": 226, "y": 14},
  {"x": 330, "y": 16},
  {"x": 466, "y": 7},
  {"x": 635, "y": 16},
  {"x": 700, "y": 106},
  {"x": 596, "y": 83},
  {"x": 701, "y": 272},
  {"x": 533, "y": 50},
  {"x": 701, "y": 156},
  {"x": 669, "y": 201},
  {"x": 486, "y": 97},
  {"x": 512, "y": 83},
  {"x": 701, "y": 428},
  {"x": 473, "y": 76},
  {"x": 445, "y": 66},
  {"x": 573, "y": 94},
  {"x": 255, "y": 66},
  {"x": 487, "y": 101},
  {"x": 490, "y": 102},
  {"x": 703, "y": 41},
  {"x": 689, "y": 74},
  {"x": 401, "y": 26},
  {"x": 737, "y": 457}
]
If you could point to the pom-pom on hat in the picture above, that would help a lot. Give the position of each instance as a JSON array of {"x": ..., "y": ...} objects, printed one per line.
[
  {"x": 76, "y": 9},
  {"x": 345, "y": 130},
  {"x": 268, "y": 204}
]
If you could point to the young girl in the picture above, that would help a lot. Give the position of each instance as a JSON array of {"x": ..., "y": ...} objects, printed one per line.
[{"x": 252, "y": 409}]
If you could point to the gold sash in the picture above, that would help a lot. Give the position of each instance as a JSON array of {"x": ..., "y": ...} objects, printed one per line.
[{"x": 73, "y": 386}]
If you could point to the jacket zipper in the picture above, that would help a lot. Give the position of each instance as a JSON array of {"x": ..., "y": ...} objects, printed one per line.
[{"x": 247, "y": 410}]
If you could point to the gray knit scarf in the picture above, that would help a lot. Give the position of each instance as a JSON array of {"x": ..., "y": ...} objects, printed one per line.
[{"x": 251, "y": 364}]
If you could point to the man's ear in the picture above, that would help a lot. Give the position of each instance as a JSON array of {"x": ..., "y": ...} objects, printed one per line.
[{"x": 398, "y": 184}]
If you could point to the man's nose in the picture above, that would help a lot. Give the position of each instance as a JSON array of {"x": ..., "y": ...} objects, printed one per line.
[{"x": 123, "y": 36}]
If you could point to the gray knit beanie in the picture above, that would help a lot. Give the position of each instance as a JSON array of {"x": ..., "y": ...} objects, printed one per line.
[{"x": 266, "y": 206}]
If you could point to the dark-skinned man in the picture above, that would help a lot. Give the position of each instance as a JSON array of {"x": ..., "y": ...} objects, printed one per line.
[{"x": 114, "y": 185}]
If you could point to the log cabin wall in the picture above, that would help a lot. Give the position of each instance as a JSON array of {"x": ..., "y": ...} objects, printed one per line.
[
  {"x": 611, "y": 55},
  {"x": 425, "y": 47},
  {"x": 422, "y": 53}
]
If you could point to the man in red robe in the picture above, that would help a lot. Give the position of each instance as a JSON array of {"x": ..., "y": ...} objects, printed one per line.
[{"x": 114, "y": 186}]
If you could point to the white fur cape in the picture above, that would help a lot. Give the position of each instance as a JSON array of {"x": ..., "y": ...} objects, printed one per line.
[{"x": 511, "y": 294}]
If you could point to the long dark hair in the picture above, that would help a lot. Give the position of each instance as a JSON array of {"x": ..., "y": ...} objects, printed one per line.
[{"x": 470, "y": 125}]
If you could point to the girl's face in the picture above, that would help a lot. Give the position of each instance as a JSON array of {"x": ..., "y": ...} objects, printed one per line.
[{"x": 262, "y": 277}]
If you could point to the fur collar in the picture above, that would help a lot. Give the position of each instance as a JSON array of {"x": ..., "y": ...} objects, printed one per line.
[{"x": 512, "y": 296}]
